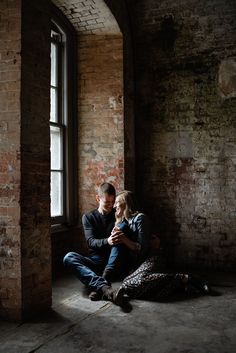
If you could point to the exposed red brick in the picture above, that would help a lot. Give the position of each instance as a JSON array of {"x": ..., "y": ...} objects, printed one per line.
[{"x": 101, "y": 123}]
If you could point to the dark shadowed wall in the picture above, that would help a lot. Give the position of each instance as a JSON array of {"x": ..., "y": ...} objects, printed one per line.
[{"x": 185, "y": 62}]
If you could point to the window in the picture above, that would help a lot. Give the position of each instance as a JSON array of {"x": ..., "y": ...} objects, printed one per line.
[
  {"x": 57, "y": 127},
  {"x": 62, "y": 125}
]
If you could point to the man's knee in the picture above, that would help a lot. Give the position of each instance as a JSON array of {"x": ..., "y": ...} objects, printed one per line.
[{"x": 70, "y": 257}]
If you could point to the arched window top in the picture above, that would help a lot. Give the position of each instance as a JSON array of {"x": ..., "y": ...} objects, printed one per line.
[{"x": 90, "y": 17}]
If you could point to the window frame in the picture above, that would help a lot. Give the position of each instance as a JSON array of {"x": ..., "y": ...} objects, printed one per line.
[{"x": 67, "y": 114}]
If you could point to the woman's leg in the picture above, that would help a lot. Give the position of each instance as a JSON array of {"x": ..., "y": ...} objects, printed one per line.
[
  {"x": 147, "y": 285},
  {"x": 117, "y": 263},
  {"x": 148, "y": 266}
]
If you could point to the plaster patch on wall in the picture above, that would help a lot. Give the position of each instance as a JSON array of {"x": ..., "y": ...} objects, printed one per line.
[
  {"x": 112, "y": 103},
  {"x": 227, "y": 78}
]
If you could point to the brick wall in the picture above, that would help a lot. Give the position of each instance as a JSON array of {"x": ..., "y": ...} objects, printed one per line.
[
  {"x": 10, "y": 178},
  {"x": 101, "y": 124},
  {"x": 185, "y": 127},
  {"x": 25, "y": 258}
]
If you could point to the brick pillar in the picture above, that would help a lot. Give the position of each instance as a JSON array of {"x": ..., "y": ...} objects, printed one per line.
[
  {"x": 25, "y": 255},
  {"x": 10, "y": 179}
]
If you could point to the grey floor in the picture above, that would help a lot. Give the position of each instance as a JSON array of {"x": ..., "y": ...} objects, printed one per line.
[{"x": 200, "y": 325}]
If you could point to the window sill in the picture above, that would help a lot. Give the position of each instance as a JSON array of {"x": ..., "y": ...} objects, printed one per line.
[
  {"x": 61, "y": 228},
  {"x": 58, "y": 228}
]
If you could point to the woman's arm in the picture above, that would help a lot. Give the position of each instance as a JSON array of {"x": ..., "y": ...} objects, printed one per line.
[
  {"x": 140, "y": 227},
  {"x": 132, "y": 245}
]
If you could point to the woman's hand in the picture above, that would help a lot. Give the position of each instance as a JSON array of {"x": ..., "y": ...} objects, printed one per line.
[{"x": 116, "y": 237}]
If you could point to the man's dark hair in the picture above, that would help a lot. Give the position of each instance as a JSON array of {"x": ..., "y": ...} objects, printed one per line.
[{"x": 106, "y": 188}]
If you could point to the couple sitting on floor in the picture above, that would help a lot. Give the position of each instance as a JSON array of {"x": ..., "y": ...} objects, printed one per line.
[{"x": 118, "y": 238}]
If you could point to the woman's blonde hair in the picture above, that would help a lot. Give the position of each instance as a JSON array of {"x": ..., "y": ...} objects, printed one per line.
[{"x": 127, "y": 198}]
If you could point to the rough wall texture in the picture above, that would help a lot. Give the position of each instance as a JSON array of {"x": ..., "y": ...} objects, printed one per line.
[
  {"x": 185, "y": 125},
  {"x": 10, "y": 74},
  {"x": 25, "y": 258},
  {"x": 100, "y": 105}
]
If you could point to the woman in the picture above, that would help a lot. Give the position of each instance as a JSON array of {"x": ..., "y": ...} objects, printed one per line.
[
  {"x": 132, "y": 230},
  {"x": 146, "y": 282}
]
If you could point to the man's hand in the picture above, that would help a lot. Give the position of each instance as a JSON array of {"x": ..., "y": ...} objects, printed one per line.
[{"x": 116, "y": 237}]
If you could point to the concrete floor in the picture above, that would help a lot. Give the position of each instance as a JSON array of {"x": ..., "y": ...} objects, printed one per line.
[{"x": 198, "y": 325}]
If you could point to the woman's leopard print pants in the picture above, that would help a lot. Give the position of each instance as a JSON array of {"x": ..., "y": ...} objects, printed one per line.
[{"x": 147, "y": 283}]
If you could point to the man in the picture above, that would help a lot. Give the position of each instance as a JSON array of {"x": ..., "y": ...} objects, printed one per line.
[{"x": 98, "y": 269}]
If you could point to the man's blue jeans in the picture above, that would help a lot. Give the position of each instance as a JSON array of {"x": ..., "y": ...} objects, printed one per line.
[{"x": 89, "y": 268}]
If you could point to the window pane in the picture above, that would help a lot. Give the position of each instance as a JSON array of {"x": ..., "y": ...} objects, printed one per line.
[
  {"x": 53, "y": 110},
  {"x": 53, "y": 65},
  {"x": 56, "y": 148},
  {"x": 56, "y": 194}
]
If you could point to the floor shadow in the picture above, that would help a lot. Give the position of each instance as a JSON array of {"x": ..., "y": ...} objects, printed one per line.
[
  {"x": 49, "y": 316},
  {"x": 182, "y": 296}
]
